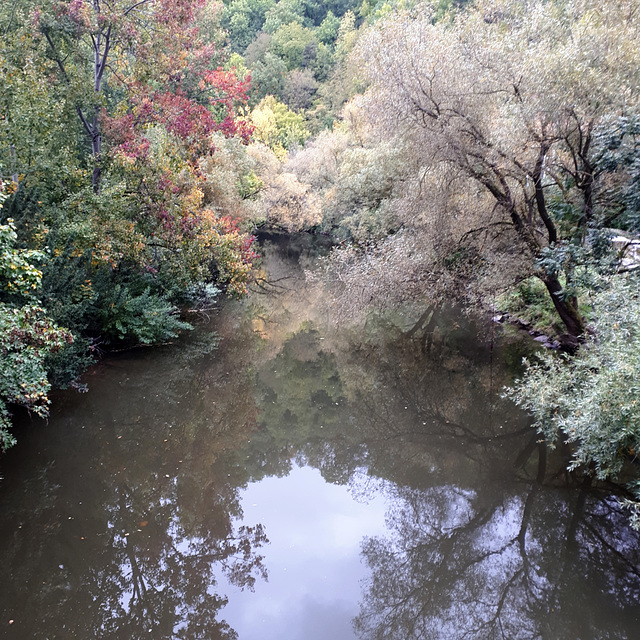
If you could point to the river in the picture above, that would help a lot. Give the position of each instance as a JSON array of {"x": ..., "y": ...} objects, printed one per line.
[{"x": 274, "y": 475}]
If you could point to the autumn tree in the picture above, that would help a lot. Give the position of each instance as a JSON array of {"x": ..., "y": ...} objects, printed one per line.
[
  {"x": 299, "y": 89},
  {"x": 158, "y": 94},
  {"x": 117, "y": 45},
  {"x": 278, "y": 127},
  {"x": 112, "y": 114}
]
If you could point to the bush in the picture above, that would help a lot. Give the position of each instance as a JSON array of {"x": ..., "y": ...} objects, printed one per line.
[
  {"x": 27, "y": 334},
  {"x": 592, "y": 400},
  {"x": 146, "y": 318}
]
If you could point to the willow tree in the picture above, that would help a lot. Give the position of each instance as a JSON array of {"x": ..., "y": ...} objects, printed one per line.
[{"x": 498, "y": 111}]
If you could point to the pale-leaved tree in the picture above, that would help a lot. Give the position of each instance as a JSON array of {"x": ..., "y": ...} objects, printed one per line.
[
  {"x": 592, "y": 399},
  {"x": 497, "y": 113}
]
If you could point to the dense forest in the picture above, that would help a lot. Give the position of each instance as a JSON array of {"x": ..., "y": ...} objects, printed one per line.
[{"x": 484, "y": 154}]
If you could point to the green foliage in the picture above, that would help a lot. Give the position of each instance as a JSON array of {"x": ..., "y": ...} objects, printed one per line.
[
  {"x": 249, "y": 186},
  {"x": 297, "y": 36},
  {"x": 560, "y": 258},
  {"x": 327, "y": 32},
  {"x": 267, "y": 76},
  {"x": 617, "y": 153},
  {"x": 446, "y": 9},
  {"x": 530, "y": 302},
  {"x": 592, "y": 400},
  {"x": 124, "y": 155},
  {"x": 323, "y": 63},
  {"x": 290, "y": 42},
  {"x": 358, "y": 207},
  {"x": 236, "y": 64},
  {"x": 347, "y": 36},
  {"x": 243, "y": 19},
  {"x": 27, "y": 335},
  {"x": 17, "y": 273},
  {"x": 283, "y": 13},
  {"x": 145, "y": 318}
]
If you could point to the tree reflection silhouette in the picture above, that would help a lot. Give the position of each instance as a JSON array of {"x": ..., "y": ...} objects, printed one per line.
[
  {"x": 464, "y": 563},
  {"x": 486, "y": 541},
  {"x": 130, "y": 540}
]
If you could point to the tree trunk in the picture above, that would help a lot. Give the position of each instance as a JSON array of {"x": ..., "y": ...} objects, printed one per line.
[
  {"x": 584, "y": 172},
  {"x": 541, "y": 204},
  {"x": 101, "y": 47},
  {"x": 566, "y": 306},
  {"x": 586, "y": 186},
  {"x": 96, "y": 148}
]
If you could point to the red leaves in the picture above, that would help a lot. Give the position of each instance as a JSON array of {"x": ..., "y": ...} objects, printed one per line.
[
  {"x": 225, "y": 87},
  {"x": 228, "y": 226},
  {"x": 182, "y": 115},
  {"x": 77, "y": 11},
  {"x": 178, "y": 12},
  {"x": 175, "y": 96}
]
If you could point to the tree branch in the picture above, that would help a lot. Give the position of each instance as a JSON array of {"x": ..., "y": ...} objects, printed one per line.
[
  {"x": 134, "y": 6},
  {"x": 540, "y": 201}
]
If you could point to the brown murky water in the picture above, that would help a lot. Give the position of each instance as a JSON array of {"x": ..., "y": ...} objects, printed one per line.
[{"x": 304, "y": 481}]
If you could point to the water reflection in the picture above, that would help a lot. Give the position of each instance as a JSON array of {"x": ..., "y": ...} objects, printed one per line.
[
  {"x": 314, "y": 564},
  {"x": 118, "y": 517},
  {"x": 535, "y": 564},
  {"x": 487, "y": 538},
  {"x": 131, "y": 514}
]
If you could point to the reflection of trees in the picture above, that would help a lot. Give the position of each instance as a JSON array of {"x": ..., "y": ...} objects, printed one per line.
[
  {"x": 129, "y": 524},
  {"x": 418, "y": 413},
  {"x": 162, "y": 562},
  {"x": 487, "y": 542},
  {"x": 301, "y": 402},
  {"x": 486, "y": 563}
]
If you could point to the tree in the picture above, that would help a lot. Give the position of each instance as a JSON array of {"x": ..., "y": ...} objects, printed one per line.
[
  {"x": 291, "y": 204},
  {"x": 498, "y": 111},
  {"x": 111, "y": 118},
  {"x": 267, "y": 69},
  {"x": 157, "y": 107},
  {"x": 290, "y": 42},
  {"x": 244, "y": 19},
  {"x": 327, "y": 32},
  {"x": 283, "y": 13},
  {"x": 617, "y": 154},
  {"x": 77, "y": 29},
  {"x": 591, "y": 399},
  {"x": 278, "y": 127},
  {"x": 299, "y": 89}
]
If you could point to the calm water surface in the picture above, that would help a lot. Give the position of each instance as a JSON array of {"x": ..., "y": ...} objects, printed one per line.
[{"x": 306, "y": 481}]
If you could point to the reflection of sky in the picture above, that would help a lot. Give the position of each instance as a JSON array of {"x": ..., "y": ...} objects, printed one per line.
[{"x": 313, "y": 559}]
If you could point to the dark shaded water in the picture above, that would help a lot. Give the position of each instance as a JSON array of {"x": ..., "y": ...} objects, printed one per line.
[{"x": 377, "y": 479}]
